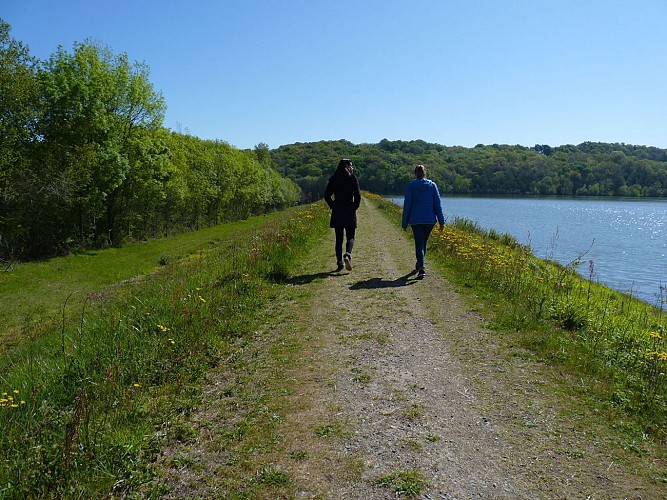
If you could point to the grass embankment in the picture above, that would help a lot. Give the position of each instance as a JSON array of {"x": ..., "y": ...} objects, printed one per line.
[
  {"x": 617, "y": 343},
  {"x": 36, "y": 294},
  {"x": 87, "y": 402}
]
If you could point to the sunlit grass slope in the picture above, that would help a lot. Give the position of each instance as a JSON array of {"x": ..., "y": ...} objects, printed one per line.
[{"x": 33, "y": 295}]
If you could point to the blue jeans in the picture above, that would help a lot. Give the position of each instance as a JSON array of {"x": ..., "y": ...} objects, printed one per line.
[{"x": 421, "y": 233}]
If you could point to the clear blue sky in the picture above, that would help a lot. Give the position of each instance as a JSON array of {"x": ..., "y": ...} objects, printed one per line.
[{"x": 453, "y": 72}]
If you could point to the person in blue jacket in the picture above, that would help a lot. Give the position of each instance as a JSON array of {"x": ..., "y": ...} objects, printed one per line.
[
  {"x": 343, "y": 197},
  {"x": 422, "y": 207}
]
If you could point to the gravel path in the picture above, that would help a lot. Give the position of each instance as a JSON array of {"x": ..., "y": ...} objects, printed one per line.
[{"x": 403, "y": 401}]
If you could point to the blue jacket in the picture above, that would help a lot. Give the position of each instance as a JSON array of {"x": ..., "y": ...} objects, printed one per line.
[{"x": 422, "y": 204}]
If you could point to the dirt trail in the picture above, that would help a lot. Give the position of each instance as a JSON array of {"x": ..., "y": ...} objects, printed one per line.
[
  {"x": 396, "y": 374},
  {"x": 397, "y": 389}
]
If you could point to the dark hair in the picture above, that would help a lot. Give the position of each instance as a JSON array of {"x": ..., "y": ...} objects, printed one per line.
[
  {"x": 420, "y": 171},
  {"x": 341, "y": 166}
]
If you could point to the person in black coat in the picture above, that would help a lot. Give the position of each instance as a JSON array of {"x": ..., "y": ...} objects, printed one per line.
[{"x": 343, "y": 197}]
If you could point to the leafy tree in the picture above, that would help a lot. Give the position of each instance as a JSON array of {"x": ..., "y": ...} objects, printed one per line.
[
  {"x": 19, "y": 110},
  {"x": 140, "y": 201},
  {"x": 95, "y": 104}
]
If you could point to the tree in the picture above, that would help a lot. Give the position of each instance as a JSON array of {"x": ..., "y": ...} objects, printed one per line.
[
  {"x": 18, "y": 116},
  {"x": 263, "y": 154},
  {"x": 144, "y": 199},
  {"x": 543, "y": 149},
  {"x": 95, "y": 102}
]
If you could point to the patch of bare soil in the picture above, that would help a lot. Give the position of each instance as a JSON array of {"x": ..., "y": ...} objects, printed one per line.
[{"x": 390, "y": 375}]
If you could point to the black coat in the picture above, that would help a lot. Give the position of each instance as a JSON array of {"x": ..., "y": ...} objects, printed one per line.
[{"x": 343, "y": 197}]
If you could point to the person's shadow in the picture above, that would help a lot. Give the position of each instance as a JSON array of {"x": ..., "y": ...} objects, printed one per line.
[
  {"x": 406, "y": 280},
  {"x": 304, "y": 279}
]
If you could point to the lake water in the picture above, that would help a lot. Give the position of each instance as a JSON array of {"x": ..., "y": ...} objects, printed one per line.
[{"x": 625, "y": 238}]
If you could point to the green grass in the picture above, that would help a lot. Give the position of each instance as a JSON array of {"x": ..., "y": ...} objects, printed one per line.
[
  {"x": 408, "y": 483},
  {"x": 360, "y": 376},
  {"x": 34, "y": 294},
  {"x": 330, "y": 430},
  {"x": 414, "y": 411},
  {"x": 270, "y": 475},
  {"x": 92, "y": 397}
]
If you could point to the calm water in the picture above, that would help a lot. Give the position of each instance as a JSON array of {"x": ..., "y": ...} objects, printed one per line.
[{"x": 625, "y": 238}]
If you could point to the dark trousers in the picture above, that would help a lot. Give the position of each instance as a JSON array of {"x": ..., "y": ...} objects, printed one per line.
[
  {"x": 348, "y": 232},
  {"x": 421, "y": 233}
]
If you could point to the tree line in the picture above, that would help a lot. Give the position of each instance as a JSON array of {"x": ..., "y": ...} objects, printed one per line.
[
  {"x": 86, "y": 162},
  {"x": 587, "y": 169}
]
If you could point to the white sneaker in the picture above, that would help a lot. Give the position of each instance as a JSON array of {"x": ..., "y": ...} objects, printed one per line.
[{"x": 348, "y": 261}]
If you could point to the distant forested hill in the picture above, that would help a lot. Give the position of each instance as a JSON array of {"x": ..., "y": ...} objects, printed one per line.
[{"x": 587, "y": 169}]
